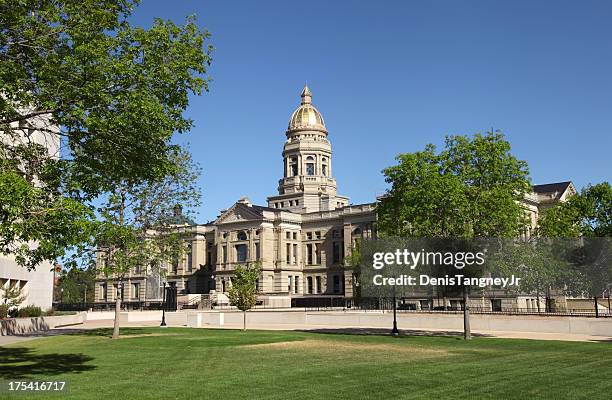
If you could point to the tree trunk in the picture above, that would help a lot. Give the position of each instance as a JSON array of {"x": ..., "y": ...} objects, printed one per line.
[
  {"x": 117, "y": 310},
  {"x": 467, "y": 333},
  {"x": 244, "y": 321},
  {"x": 596, "y": 308}
]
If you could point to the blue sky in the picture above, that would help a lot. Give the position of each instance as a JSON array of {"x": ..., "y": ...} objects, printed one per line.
[{"x": 392, "y": 76}]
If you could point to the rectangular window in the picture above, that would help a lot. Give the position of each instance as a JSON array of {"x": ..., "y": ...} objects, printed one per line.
[
  {"x": 257, "y": 252},
  {"x": 294, "y": 235},
  {"x": 175, "y": 264},
  {"x": 318, "y": 234},
  {"x": 294, "y": 255},
  {"x": 296, "y": 284},
  {"x": 319, "y": 285},
  {"x": 309, "y": 283},
  {"x": 289, "y": 284},
  {"x": 103, "y": 287},
  {"x": 135, "y": 291},
  {"x": 317, "y": 253},
  {"x": 209, "y": 258},
  {"x": 224, "y": 251},
  {"x": 288, "y": 258},
  {"x": 288, "y": 235},
  {"x": 241, "y": 253},
  {"x": 336, "y": 252},
  {"x": 337, "y": 288},
  {"x": 310, "y": 169},
  {"x": 190, "y": 260},
  {"x": 309, "y": 235},
  {"x": 309, "y": 254}
]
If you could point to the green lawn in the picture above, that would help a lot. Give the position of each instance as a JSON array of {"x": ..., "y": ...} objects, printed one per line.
[{"x": 185, "y": 363}]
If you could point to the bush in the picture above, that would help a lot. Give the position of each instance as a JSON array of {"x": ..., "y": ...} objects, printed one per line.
[
  {"x": 29, "y": 311},
  {"x": 50, "y": 312},
  {"x": 3, "y": 311}
]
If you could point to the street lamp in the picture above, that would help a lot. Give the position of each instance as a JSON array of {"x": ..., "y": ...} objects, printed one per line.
[
  {"x": 394, "y": 331},
  {"x": 163, "y": 321}
]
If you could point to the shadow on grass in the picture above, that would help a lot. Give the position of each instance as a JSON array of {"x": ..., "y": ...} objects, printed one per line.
[
  {"x": 108, "y": 332},
  {"x": 32, "y": 365},
  {"x": 387, "y": 332}
]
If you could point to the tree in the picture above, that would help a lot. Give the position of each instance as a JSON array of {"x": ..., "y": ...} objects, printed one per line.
[
  {"x": 78, "y": 77},
  {"x": 472, "y": 189},
  {"x": 76, "y": 286},
  {"x": 586, "y": 214},
  {"x": 13, "y": 297},
  {"x": 134, "y": 232},
  {"x": 243, "y": 293}
]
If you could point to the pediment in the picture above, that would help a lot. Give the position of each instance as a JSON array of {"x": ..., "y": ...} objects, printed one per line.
[{"x": 238, "y": 213}]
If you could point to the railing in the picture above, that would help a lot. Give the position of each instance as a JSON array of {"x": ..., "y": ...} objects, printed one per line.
[{"x": 340, "y": 303}]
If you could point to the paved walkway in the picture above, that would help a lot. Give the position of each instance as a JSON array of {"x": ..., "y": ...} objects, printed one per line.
[{"x": 96, "y": 324}]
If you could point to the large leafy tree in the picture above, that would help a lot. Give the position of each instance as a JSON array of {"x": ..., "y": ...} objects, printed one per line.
[
  {"x": 473, "y": 188},
  {"x": 586, "y": 214},
  {"x": 78, "y": 78},
  {"x": 135, "y": 229}
]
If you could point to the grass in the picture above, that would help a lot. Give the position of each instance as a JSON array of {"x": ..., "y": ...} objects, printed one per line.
[{"x": 180, "y": 363}]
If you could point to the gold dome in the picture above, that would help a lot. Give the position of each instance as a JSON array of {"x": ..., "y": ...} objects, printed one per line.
[{"x": 306, "y": 116}]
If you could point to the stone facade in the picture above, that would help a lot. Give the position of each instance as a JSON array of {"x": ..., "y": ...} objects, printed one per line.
[{"x": 301, "y": 238}]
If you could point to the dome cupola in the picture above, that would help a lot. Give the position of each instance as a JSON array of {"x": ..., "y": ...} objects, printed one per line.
[{"x": 306, "y": 117}]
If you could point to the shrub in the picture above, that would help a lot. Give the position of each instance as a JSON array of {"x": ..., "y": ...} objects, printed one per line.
[
  {"x": 49, "y": 312},
  {"x": 29, "y": 311},
  {"x": 3, "y": 311}
]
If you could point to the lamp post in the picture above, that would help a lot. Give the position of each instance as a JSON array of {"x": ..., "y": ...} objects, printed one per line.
[
  {"x": 163, "y": 321},
  {"x": 394, "y": 331}
]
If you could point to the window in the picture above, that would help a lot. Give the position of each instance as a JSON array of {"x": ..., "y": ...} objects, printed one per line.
[
  {"x": 288, "y": 235},
  {"x": 297, "y": 202},
  {"x": 324, "y": 170},
  {"x": 294, "y": 255},
  {"x": 336, "y": 252},
  {"x": 288, "y": 253},
  {"x": 317, "y": 253},
  {"x": 296, "y": 284},
  {"x": 318, "y": 234},
  {"x": 103, "y": 288},
  {"x": 241, "y": 253},
  {"x": 257, "y": 252},
  {"x": 289, "y": 284},
  {"x": 496, "y": 305},
  {"x": 242, "y": 235},
  {"x": 309, "y": 235},
  {"x": 309, "y": 283},
  {"x": 310, "y": 169},
  {"x": 209, "y": 258},
  {"x": 175, "y": 264},
  {"x": 135, "y": 290},
  {"x": 293, "y": 165},
  {"x": 137, "y": 269},
  {"x": 224, "y": 253},
  {"x": 309, "y": 254},
  {"x": 294, "y": 235},
  {"x": 319, "y": 286},
  {"x": 336, "y": 283},
  {"x": 190, "y": 259}
]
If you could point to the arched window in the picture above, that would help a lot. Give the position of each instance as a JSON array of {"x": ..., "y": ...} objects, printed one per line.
[
  {"x": 310, "y": 165},
  {"x": 242, "y": 235},
  {"x": 324, "y": 166}
]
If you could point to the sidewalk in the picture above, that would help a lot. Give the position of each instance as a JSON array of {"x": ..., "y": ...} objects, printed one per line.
[{"x": 96, "y": 324}]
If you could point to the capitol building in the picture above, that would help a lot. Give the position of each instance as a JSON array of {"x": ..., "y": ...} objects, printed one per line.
[{"x": 301, "y": 237}]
